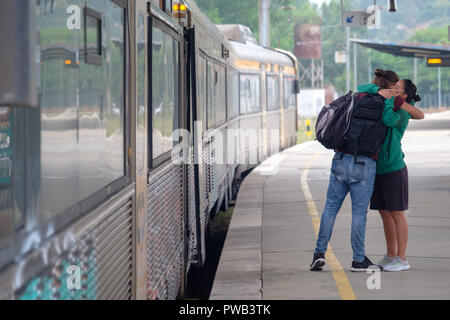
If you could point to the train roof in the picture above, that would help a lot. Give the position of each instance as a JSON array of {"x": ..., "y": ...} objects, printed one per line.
[
  {"x": 254, "y": 52},
  {"x": 244, "y": 46}
]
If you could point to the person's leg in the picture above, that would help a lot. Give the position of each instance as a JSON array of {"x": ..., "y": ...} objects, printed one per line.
[
  {"x": 361, "y": 190},
  {"x": 401, "y": 227},
  {"x": 337, "y": 191},
  {"x": 389, "y": 233}
]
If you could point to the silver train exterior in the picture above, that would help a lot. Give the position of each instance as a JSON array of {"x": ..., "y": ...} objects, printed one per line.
[{"x": 92, "y": 205}]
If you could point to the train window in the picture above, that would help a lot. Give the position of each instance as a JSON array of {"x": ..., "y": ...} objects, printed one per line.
[
  {"x": 233, "y": 93},
  {"x": 166, "y": 5},
  {"x": 201, "y": 99},
  {"x": 273, "y": 92},
  {"x": 219, "y": 106},
  {"x": 82, "y": 109},
  {"x": 249, "y": 90},
  {"x": 289, "y": 92},
  {"x": 210, "y": 86},
  {"x": 93, "y": 36},
  {"x": 141, "y": 84},
  {"x": 165, "y": 93}
]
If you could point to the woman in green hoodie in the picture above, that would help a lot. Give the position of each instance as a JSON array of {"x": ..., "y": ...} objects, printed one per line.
[{"x": 390, "y": 194}]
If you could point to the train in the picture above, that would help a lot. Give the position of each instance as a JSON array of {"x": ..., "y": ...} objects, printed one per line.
[{"x": 96, "y": 99}]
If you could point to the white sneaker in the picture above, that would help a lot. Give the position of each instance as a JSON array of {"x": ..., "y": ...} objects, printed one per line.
[
  {"x": 397, "y": 265},
  {"x": 385, "y": 261}
]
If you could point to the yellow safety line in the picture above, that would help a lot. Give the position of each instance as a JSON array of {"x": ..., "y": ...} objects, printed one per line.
[{"x": 345, "y": 289}]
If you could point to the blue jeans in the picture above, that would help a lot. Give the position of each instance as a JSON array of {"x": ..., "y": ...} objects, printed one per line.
[{"x": 358, "y": 179}]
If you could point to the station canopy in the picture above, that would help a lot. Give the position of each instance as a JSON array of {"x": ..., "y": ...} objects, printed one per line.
[{"x": 406, "y": 49}]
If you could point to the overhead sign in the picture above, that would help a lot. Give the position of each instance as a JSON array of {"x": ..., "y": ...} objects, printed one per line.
[
  {"x": 370, "y": 18},
  {"x": 438, "y": 62},
  {"x": 340, "y": 56}
]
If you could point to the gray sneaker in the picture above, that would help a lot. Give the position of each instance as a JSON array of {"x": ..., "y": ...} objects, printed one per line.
[
  {"x": 397, "y": 265},
  {"x": 385, "y": 261}
]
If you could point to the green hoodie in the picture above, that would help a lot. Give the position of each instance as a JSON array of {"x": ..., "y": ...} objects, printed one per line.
[{"x": 391, "y": 156}]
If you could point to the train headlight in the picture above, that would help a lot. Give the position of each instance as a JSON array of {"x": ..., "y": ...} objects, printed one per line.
[{"x": 179, "y": 10}]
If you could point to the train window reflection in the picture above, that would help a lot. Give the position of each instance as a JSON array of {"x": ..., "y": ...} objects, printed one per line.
[
  {"x": 165, "y": 91},
  {"x": 93, "y": 36},
  {"x": 273, "y": 94},
  {"x": 82, "y": 109},
  {"x": 249, "y": 93}
]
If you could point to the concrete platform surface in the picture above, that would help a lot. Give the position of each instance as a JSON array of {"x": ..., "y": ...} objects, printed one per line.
[{"x": 272, "y": 235}]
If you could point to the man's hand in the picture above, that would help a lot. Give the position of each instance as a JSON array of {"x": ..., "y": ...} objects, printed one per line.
[{"x": 387, "y": 93}]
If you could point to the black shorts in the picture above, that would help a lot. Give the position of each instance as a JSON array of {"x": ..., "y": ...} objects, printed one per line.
[{"x": 390, "y": 191}]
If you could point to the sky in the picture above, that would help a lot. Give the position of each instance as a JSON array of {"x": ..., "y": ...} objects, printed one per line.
[{"x": 319, "y": 2}]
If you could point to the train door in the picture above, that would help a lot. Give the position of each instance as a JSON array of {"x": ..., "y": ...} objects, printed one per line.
[
  {"x": 166, "y": 199},
  {"x": 196, "y": 123}
]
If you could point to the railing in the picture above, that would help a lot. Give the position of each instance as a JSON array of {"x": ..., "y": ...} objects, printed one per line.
[{"x": 431, "y": 101}]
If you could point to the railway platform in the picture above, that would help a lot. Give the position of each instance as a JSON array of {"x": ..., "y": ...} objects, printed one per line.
[{"x": 272, "y": 235}]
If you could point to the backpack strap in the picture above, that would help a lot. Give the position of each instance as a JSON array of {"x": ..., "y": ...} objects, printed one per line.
[{"x": 355, "y": 152}]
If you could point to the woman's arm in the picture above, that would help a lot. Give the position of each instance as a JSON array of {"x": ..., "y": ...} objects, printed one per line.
[
  {"x": 415, "y": 113},
  {"x": 391, "y": 119}
]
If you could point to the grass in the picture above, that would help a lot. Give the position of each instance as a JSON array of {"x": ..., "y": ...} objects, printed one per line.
[
  {"x": 302, "y": 134},
  {"x": 221, "y": 222}
]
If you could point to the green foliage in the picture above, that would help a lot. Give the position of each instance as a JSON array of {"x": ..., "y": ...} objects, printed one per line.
[
  {"x": 415, "y": 21},
  {"x": 246, "y": 13},
  {"x": 436, "y": 35},
  {"x": 232, "y": 12},
  {"x": 284, "y": 15}
]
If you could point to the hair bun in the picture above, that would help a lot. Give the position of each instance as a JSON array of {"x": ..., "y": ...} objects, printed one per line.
[
  {"x": 417, "y": 98},
  {"x": 380, "y": 73}
]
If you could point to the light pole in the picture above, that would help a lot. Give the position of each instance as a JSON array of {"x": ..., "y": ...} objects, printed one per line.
[{"x": 264, "y": 23}]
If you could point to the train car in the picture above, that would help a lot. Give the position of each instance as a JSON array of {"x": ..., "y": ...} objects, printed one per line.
[
  {"x": 92, "y": 203},
  {"x": 268, "y": 87}
]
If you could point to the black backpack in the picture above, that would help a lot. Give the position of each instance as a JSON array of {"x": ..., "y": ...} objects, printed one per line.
[
  {"x": 366, "y": 132},
  {"x": 333, "y": 122}
]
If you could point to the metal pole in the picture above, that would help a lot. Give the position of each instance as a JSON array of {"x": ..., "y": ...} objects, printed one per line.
[
  {"x": 264, "y": 23},
  {"x": 415, "y": 71},
  {"x": 439, "y": 88},
  {"x": 348, "y": 59},
  {"x": 355, "y": 66},
  {"x": 322, "y": 72}
]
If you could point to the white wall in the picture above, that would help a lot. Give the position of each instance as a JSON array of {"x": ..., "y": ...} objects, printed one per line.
[{"x": 310, "y": 102}]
